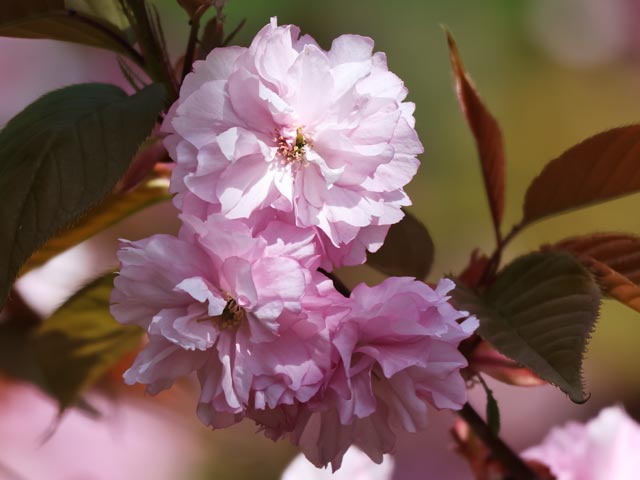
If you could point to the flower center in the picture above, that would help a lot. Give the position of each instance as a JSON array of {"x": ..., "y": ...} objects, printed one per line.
[
  {"x": 292, "y": 151},
  {"x": 232, "y": 315}
]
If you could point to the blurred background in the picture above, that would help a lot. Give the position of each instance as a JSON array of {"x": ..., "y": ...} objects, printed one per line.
[{"x": 552, "y": 71}]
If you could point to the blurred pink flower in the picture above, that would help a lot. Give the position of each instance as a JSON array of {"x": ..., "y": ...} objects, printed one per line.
[
  {"x": 355, "y": 466},
  {"x": 131, "y": 441},
  {"x": 243, "y": 311},
  {"x": 604, "y": 448},
  {"x": 396, "y": 351},
  {"x": 321, "y": 135}
]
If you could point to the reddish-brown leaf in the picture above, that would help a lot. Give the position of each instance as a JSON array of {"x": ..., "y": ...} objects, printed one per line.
[
  {"x": 620, "y": 251},
  {"x": 615, "y": 285},
  {"x": 486, "y": 133},
  {"x": 614, "y": 258},
  {"x": 600, "y": 168},
  {"x": 472, "y": 274},
  {"x": 487, "y": 359}
]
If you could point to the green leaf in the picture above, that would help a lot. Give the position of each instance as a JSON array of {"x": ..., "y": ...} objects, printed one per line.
[
  {"x": 70, "y": 21},
  {"x": 540, "y": 312},
  {"x": 60, "y": 156},
  {"x": 81, "y": 341},
  {"x": 108, "y": 10},
  {"x": 407, "y": 251},
  {"x": 112, "y": 210},
  {"x": 602, "y": 167}
]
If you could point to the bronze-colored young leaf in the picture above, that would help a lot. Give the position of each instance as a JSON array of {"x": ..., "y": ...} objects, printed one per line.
[
  {"x": 68, "y": 21},
  {"x": 614, "y": 258},
  {"x": 620, "y": 251},
  {"x": 540, "y": 312},
  {"x": 486, "y": 133},
  {"x": 114, "y": 209},
  {"x": 81, "y": 341},
  {"x": 62, "y": 155},
  {"x": 614, "y": 284},
  {"x": 407, "y": 250},
  {"x": 600, "y": 168},
  {"x": 486, "y": 359}
]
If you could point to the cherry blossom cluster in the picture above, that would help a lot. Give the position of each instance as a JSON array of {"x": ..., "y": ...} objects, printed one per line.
[{"x": 291, "y": 161}]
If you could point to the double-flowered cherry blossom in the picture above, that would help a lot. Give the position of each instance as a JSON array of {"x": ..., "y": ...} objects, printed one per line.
[
  {"x": 396, "y": 351},
  {"x": 322, "y": 135},
  {"x": 290, "y": 160},
  {"x": 244, "y": 312}
]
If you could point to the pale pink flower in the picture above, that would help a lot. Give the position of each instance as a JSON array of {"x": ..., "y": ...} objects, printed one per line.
[
  {"x": 355, "y": 466},
  {"x": 396, "y": 352},
  {"x": 244, "y": 310},
  {"x": 602, "y": 449},
  {"x": 131, "y": 440},
  {"x": 283, "y": 124}
]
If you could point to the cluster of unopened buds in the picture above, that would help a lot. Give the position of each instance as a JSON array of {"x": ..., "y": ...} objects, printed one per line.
[{"x": 291, "y": 161}]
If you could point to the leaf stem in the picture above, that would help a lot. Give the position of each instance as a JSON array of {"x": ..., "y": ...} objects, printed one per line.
[
  {"x": 233, "y": 33},
  {"x": 193, "y": 39},
  {"x": 496, "y": 257},
  {"x": 518, "y": 469},
  {"x": 154, "y": 53}
]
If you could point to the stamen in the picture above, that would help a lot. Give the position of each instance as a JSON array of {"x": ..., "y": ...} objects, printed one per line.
[
  {"x": 232, "y": 315},
  {"x": 293, "y": 154}
]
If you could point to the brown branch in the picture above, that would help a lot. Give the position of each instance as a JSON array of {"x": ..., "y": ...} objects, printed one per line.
[
  {"x": 337, "y": 283},
  {"x": 193, "y": 40},
  {"x": 517, "y": 468},
  {"x": 494, "y": 261}
]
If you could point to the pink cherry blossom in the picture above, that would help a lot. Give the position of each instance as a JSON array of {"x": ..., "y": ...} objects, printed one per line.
[
  {"x": 396, "y": 352},
  {"x": 603, "y": 448},
  {"x": 131, "y": 440},
  {"x": 244, "y": 310},
  {"x": 356, "y": 466},
  {"x": 283, "y": 124}
]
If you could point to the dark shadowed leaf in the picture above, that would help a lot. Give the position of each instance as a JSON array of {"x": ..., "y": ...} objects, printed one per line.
[
  {"x": 78, "y": 21},
  {"x": 115, "y": 208},
  {"x": 614, "y": 258},
  {"x": 407, "y": 250},
  {"x": 540, "y": 312},
  {"x": 600, "y": 168},
  {"x": 486, "y": 133},
  {"x": 60, "y": 156},
  {"x": 17, "y": 359},
  {"x": 78, "y": 344}
]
